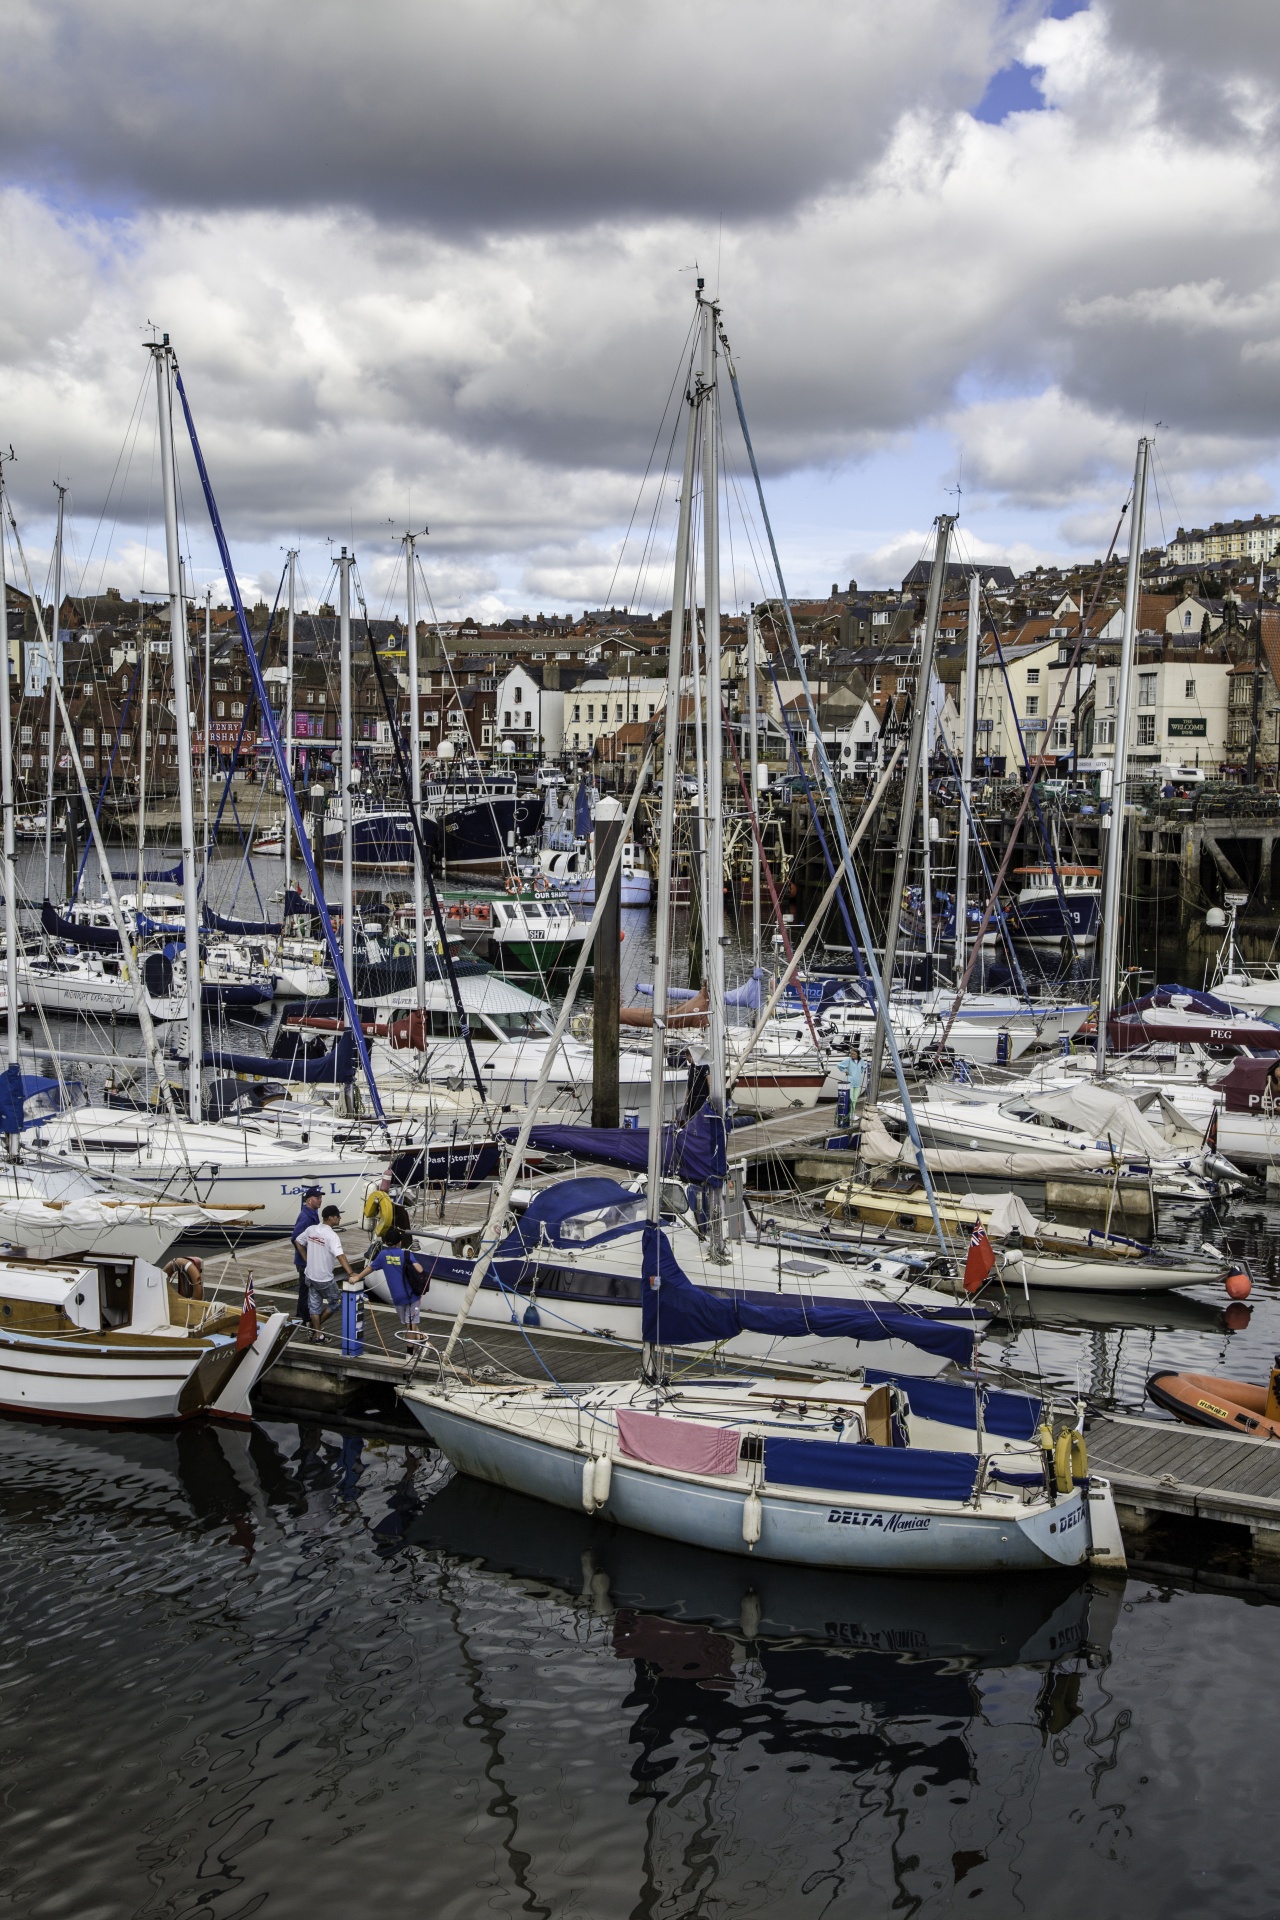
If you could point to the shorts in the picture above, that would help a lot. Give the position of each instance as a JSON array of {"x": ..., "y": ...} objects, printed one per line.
[
  {"x": 323, "y": 1296},
  {"x": 409, "y": 1313}
]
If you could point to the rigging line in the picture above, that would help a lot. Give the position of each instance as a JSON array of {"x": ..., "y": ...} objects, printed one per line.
[
  {"x": 963, "y": 985},
  {"x": 125, "y": 444},
  {"x": 424, "y": 852},
  {"x": 345, "y": 988},
  {"x": 235, "y": 751},
  {"x": 684, "y": 365}
]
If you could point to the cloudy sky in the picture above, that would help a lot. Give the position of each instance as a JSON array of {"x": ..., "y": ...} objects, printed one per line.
[{"x": 433, "y": 264}]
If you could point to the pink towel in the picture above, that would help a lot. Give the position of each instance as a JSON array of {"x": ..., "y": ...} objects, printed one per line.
[{"x": 684, "y": 1444}]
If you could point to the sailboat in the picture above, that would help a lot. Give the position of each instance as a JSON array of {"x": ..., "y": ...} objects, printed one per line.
[{"x": 878, "y": 1471}]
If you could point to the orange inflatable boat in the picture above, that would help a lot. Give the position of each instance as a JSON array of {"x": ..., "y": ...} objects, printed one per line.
[{"x": 1233, "y": 1406}]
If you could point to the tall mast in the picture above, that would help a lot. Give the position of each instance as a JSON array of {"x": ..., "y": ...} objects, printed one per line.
[
  {"x": 163, "y": 357},
  {"x": 910, "y": 783},
  {"x": 344, "y": 759},
  {"x": 415, "y": 776},
  {"x": 713, "y": 904},
  {"x": 55, "y": 667},
  {"x": 927, "y": 864},
  {"x": 144, "y": 743},
  {"x": 288, "y": 724},
  {"x": 6, "y": 801},
  {"x": 1119, "y": 767},
  {"x": 968, "y": 725},
  {"x": 208, "y": 667},
  {"x": 753, "y": 757},
  {"x": 666, "y": 827}
]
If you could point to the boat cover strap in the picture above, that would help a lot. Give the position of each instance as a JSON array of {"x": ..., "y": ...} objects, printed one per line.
[{"x": 920, "y": 1473}]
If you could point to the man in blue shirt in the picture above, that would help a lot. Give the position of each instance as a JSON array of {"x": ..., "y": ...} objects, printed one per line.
[
  {"x": 309, "y": 1216},
  {"x": 406, "y": 1280}
]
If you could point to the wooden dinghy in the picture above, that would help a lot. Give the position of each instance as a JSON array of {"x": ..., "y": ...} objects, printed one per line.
[{"x": 1207, "y": 1400}]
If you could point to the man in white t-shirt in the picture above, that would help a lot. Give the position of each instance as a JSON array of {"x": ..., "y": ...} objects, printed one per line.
[{"x": 322, "y": 1250}]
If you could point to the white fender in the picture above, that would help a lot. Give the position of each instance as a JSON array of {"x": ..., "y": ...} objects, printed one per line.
[
  {"x": 751, "y": 1516},
  {"x": 603, "y": 1479},
  {"x": 589, "y": 1483}
]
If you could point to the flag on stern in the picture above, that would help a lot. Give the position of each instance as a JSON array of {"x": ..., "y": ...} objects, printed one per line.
[
  {"x": 979, "y": 1261},
  {"x": 247, "y": 1331}
]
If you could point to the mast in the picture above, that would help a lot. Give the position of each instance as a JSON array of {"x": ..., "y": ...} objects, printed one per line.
[
  {"x": 288, "y": 724},
  {"x": 906, "y": 817},
  {"x": 753, "y": 757},
  {"x": 926, "y": 827},
  {"x": 415, "y": 776},
  {"x": 6, "y": 801},
  {"x": 666, "y": 826},
  {"x": 713, "y": 902},
  {"x": 968, "y": 726},
  {"x": 144, "y": 642},
  {"x": 1119, "y": 768},
  {"x": 55, "y": 667},
  {"x": 208, "y": 666},
  {"x": 344, "y": 758},
  {"x": 163, "y": 357}
]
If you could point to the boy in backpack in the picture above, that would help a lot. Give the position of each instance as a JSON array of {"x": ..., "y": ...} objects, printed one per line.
[{"x": 406, "y": 1280}]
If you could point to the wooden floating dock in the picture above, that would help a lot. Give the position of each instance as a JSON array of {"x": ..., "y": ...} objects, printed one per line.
[{"x": 1190, "y": 1473}]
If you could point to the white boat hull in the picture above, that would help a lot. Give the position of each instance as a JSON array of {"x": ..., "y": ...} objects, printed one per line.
[
  {"x": 134, "y": 1379},
  {"x": 863, "y": 1533}
]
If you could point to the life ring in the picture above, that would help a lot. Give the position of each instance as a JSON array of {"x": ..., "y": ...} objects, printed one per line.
[
  {"x": 453, "y": 913},
  {"x": 480, "y": 912},
  {"x": 513, "y": 885}
]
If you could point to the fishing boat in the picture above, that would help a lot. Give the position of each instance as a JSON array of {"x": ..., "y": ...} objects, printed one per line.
[
  {"x": 536, "y": 935},
  {"x": 112, "y": 1339},
  {"x": 1059, "y": 903},
  {"x": 1209, "y": 1400}
]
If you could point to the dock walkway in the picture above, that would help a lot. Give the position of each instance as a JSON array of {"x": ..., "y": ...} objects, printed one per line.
[{"x": 1156, "y": 1467}]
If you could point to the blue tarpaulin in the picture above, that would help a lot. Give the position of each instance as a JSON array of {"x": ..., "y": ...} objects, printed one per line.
[
  {"x": 750, "y": 994},
  {"x": 544, "y": 1220},
  {"x": 337, "y": 1068},
  {"x": 675, "y": 1313},
  {"x": 920, "y": 1473},
  {"x": 15, "y": 1087},
  {"x": 695, "y": 1152},
  {"x": 1014, "y": 1416},
  {"x": 94, "y": 939},
  {"x": 168, "y": 875}
]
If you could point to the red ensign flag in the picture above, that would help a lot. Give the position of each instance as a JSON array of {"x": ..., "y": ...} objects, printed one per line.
[
  {"x": 247, "y": 1331},
  {"x": 980, "y": 1259}
]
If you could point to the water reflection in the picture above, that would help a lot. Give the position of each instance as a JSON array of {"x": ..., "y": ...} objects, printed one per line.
[{"x": 317, "y": 1676}]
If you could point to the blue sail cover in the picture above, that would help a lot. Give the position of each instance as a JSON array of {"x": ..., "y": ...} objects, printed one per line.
[
  {"x": 336, "y": 1068},
  {"x": 219, "y": 923},
  {"x": 15, "y": 1087},
  {"x": 675, "y": 1313},
  {"x": 1189, "y": 997},
  {"x": 851, "y": 1466},
  {"x": 694, "y": 1152},
  {"x": 749, "y": 994},
  {"x": 582, "y": 812},
  {"x": 166, "y": 876}
]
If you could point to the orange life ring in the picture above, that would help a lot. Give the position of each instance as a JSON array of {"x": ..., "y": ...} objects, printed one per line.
[
  {"x": 453, "y": 913},
  {"x": 481, "y": 912},
  {"x": 513, "y": 885}
]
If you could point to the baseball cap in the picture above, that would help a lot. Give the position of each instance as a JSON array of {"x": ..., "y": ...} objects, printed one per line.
[{"x": 308, "y": 1191}]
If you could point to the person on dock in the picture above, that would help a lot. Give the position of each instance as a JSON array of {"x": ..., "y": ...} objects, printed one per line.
[
  {"x": 324, "y": 1255},
  {"x": 406, "y": 1280},
  {"x": 308, "y": 1216}
]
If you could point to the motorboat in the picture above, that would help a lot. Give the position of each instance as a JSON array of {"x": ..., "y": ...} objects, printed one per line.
[
  {"x": 1209, "y": 1400},
  {"x": 92, "y": 1338},
  {"x": 539, "y": 934},
  {"x": 874, "y": 1474},
  {"x": 1182, "y": 1013},
  {"x": 984, "y": 1042},
  {"x": 572, "y": 1263}
]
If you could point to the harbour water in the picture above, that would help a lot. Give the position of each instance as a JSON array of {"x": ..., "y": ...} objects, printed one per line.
[{"x": 297, "y": 1673}]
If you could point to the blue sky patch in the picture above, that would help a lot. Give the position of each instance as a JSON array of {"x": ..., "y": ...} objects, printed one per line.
[{"x": 1015, "y": 89}]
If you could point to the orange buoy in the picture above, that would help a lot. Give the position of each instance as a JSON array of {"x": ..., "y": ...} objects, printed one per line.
[{"x": 1239, "y": 1285}]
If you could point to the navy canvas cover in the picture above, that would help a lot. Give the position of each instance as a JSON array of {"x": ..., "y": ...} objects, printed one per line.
[
  {"x": 337, "y": 1068},
  {"x": 15, "y": 1087},
  {"x": 171, "y": 876},
  {"x": 220, "y": 923},
  {"x": 694, "y": 1152},
  {"x": 675, "y": 1313},
  {"x": 919, "y": 1473},
  {"x": 93, "y": 939},
  {"x": 543, "y": 1221},
  {"x": 1014, "y": 1416}
]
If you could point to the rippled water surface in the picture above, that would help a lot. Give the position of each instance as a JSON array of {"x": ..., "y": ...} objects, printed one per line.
[{"x": 291, "y": 1672}]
